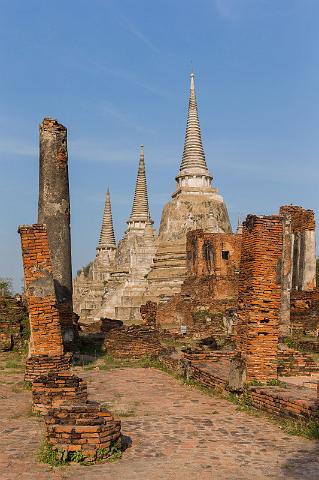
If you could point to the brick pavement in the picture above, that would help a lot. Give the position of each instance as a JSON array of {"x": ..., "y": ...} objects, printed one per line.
[{"x": 177, "y": 433}]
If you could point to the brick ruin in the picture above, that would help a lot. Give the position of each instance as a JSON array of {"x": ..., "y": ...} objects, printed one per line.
[
  {"x": 259, "y": 283},
  {"x": 304, "y": 312},
  {"x": 259, "y": 298},
  {"x": 73, "y": 423},
  {"x": 138, "y": 341},
  {"x": 210, "y": 291},
  {"x": 89, "y": 429},
  {"x": 149, "y": 313},
  {"x": 46, "y": 351},
  {"x": 134, "y": 341}
]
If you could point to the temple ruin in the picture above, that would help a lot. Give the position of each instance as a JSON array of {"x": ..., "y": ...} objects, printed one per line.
[
  {"x": 234, "y": 312},
  {"x": 147, "y": 267}
]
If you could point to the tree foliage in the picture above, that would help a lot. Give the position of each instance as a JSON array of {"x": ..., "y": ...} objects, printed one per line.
[{"x": 6, "y": 287}]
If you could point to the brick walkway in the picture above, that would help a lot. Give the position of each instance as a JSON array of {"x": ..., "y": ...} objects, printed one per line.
[{"x": 177, "y": 433}]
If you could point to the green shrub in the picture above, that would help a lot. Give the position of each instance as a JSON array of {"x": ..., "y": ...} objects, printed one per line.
[{"x": 55, "y": 458}]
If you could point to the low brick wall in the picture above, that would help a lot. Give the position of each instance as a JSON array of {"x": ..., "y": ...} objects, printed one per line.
[
  {"x": 135, "y": 341},
  {"x": 284, "y": 402},
  {"x": 213, "y": 356},
  {"x": 309, "y": 345},
  {"x": 293, "y": 362},
  {"x": 54, "y": 390},
  {"x": 205, "y": 374},
  {"x": 208, "y": 379},
  {"x": 89, "y": 429},
  {"x": 38, "y": 365}
]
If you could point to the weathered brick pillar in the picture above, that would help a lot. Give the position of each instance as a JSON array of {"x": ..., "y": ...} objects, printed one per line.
[
  {"x": 260, "y": 295},
  {"x": 54, "y": 212},
  {"x": 46, "y": 352}
]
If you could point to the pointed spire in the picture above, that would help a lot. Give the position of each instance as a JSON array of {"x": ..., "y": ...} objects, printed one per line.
[
  {"x": 140, "y": 208},
  {"x": 193, "y": 154},
  {"x": 107, "y": 237},
  {"x": 239, "y": 230}
]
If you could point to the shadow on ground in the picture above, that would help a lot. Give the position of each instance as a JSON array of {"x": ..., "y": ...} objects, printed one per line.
[{"x": 302, "y": 464}]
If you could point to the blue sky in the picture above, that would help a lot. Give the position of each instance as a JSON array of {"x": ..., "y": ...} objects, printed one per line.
[{"x": 116, "y": 73}]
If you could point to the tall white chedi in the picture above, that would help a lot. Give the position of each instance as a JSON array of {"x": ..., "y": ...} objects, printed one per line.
[
  {"x": 140, "y": 216},
  {"x": 195, "y": 204},
  {"x": 140, "y": 227},
  {"x": 89, "y": 284},
  {"x": 106, "y": 249},
  {"x": 134, "y": 257}
]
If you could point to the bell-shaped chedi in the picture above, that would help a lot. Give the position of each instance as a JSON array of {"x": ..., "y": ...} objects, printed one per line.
[{"x": 194, "y": 205}]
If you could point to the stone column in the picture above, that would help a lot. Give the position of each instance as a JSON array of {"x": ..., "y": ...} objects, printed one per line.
[
  {"x": 286, "y": 278},
  {"x": 303, "y": 245},
  {"x": 259, "y": 297},
  {"x": 54, "y": 212}
]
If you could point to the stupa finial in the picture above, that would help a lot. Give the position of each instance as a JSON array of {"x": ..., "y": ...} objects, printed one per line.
[
  {"x": 107, "y": 237},
  {"x": 140, "y": 208},
  {"x": 193, "y": 154}
]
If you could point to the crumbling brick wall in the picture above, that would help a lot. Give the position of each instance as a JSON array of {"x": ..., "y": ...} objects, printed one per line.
[
  {"x": 149, "y": 312},
  {"x": 304, "y": 312},
  {"x": 135, "y": 341},
  {"x": 292, "y": 362},
  {"x": 210, "y": 290},
  {"x": 46, "y": 346},
  {"x": 213, "y": 254},
  {"x": 260, "y": 295},
  {"x": 301, "y": 219}
]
